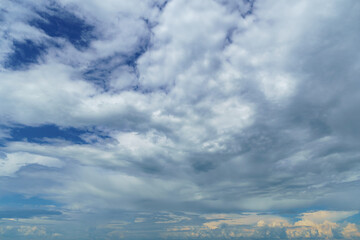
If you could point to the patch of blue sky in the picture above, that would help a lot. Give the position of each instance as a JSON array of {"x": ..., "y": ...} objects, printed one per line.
[
  {"x": 19, "y": 206},
  {"x": 27, "y": 213},
  {"x": 161, "y": 5},
  {"x": 229, "y": 37},
  {"x": 40, "y": 134},
  {"x": 18, "y": 200},
  {"x": 251, "y": 8},
  {"x": 24, "y": 54},
  {"x": 131, "y": 59},
  {"x": 56, "y": 22},
  {"x": 45, "y": 133},
  {"x": 354, "y": 218},
  {"x": 146, "y": 90},
  {"x": 296, "y": 211},
  {"x": 101, "y": 71},
  {"x": 2, "y": 12}
]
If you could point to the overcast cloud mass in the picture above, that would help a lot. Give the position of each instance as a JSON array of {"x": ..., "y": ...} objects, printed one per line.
[{"x": 179, "y": 119}]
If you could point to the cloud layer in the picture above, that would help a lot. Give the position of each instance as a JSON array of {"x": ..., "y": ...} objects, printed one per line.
[{"x": 201, "y": 107}]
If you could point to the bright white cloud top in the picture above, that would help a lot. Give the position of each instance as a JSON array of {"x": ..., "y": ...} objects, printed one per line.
[{"x": 179, "y": 119}]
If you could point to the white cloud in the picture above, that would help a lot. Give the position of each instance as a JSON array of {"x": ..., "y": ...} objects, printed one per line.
[
  {"x": 246, "y": 219},
  {"x": 47, "y": 90},
  {"x": 56, "y": 235},
  {"x": 265, "y": 226},
  {"x": 31, "y": 230},
  {"x": 187, "y": 46},
  {"x": 321, "y": 216},
  {"x": 14, "y": 161},
  {"x": 311, "y": 230},
  {"x": 351, "y": 231}
]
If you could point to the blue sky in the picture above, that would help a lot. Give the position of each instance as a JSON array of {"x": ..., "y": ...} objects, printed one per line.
[{"x": 179, "y": 119}]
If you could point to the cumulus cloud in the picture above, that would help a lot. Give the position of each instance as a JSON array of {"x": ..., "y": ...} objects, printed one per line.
[
  {"x": 321, "y": 216},
  {"x": 27, "y": 230},
  {"x": 265, "y": 226},
  {"x": 351, "y": 231},
  {"x": 23, "y": 231}
]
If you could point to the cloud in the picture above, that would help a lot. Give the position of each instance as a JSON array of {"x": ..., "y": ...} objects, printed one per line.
[
  {"x": 14, "y": 161},
  {"x": 184, "y": 106},
  {"x": 351, "y": 231},
  {"x": 265, "y": 226},
  {"x": 23, "y": 231},
  {"x": 56, "y": 235},
  {"x": 246, "y": 219},
  {"x": 27, "y": 230},
  {"x": 321, "y": 216},
  {"x": 217, "y": 106}
]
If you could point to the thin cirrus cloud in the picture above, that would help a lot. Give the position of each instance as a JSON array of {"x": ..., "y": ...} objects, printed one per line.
[{"x": 179, "y": 119}]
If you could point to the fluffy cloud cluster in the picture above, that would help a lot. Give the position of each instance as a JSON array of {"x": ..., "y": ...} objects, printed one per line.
[
  {"x": 23, "y": 231},
  {"x": 168, "y": 225},
  {"x": 313, "y": 225}
]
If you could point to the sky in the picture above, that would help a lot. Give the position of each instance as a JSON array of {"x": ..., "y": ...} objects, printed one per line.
[{"x": 179, "y": 119}]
